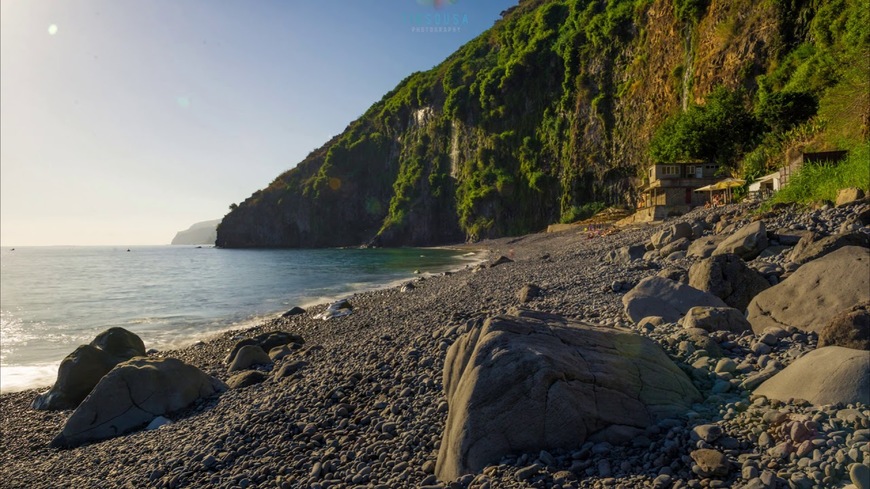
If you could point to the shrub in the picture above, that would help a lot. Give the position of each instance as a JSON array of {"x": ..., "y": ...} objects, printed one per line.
[
  {"x": 815, "y": 182},
  {"x": 783, "y": 110},
  {"x": 580, "y": 212},
  {"x": 720, "y": 131}
]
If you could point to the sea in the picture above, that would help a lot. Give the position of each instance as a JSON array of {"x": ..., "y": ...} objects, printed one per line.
[{"x": 53, "y": 299}]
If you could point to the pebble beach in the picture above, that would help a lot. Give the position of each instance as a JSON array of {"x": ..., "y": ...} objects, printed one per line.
[{"x": 363, "y": 405}]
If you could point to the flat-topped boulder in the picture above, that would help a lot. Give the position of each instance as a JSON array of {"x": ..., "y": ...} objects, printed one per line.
[
  {"x": 712, "y": 319},
  {"x": 827, "y": 375},
  {"x": 816, "y": 292},
  {"x": 747, "y": 242},
  {"x": 133, "y": 394},
  {"x": 813, "y": 246},
  {"x": 659, "y": 296},
  {"x": 704, "y": 246},
  {"x": 533, "y": 381},
  {"x": 625, "y": 254}
]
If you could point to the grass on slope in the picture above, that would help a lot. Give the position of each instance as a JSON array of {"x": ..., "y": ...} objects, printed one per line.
[{"x": 814, "y": 182}]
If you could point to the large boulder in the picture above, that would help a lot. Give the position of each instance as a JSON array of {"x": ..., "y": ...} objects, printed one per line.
[
  {"x": 534, "y": 381},
  {"x": 120, "y": 343},
  {"x": 670, "y": 234},
  {"x": 82, "y": 369},
  {"x": 659, "y": 296},
  {"x": 827, "y": 375},
  {"x": 704, "y": 246},
  {"x": 747, "y": 242},
  {"x": 77, "y": 375},
  {"x": 850, "y": 329},
  {"x": 728, "y": 278},
  {"x": 133, "y": 394},
  {"x": 712, "y": 319},
  {"x": 813, "y": 246},
  {"x": 815, "y": 293},
  {"x": 681, "y": 244},
  {"x": 625, "y": 254}
]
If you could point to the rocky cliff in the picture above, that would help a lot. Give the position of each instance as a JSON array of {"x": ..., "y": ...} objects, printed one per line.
[
  {"x": 201, "y": 233},
  {"x": 552, "y": 108}
]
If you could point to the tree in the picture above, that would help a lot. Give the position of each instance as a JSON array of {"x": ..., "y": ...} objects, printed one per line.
[
  {"x": 719, "y": 131},
  {"x": 783, "y": 110}
]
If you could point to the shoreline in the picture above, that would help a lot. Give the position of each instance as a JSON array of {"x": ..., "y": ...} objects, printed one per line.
[
  {"x": 270, "y": 317},
  {"x": 382, "y": 366}
]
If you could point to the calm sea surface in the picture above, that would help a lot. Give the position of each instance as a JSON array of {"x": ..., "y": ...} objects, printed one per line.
[{"x": 56, "y": 298}]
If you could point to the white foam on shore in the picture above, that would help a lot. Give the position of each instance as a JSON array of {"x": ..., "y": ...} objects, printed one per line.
[{"x": 15, "y": 378}]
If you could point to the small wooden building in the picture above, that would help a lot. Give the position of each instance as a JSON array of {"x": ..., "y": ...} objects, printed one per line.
[{"x": 669, "y": 189}]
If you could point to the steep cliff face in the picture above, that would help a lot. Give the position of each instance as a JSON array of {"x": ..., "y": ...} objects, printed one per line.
[{"x": 552, "y": 108}]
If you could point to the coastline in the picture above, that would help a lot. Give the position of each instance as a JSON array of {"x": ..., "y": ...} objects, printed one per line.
[
  {"x": 462, "y": 261},
  {"x": 379, "y": 367}
]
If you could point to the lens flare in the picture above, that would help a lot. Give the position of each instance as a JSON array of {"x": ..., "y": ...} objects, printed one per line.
[{"x": 52, "y": 30}]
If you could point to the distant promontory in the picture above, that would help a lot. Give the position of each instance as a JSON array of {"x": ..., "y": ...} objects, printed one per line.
[{"x": 201, "y": 233}]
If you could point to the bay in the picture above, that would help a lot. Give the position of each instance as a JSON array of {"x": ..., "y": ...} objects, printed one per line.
[{"x": 53, "y": 299}]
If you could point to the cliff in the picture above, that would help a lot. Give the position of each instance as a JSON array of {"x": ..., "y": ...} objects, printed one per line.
[
  {"x": 551, "y": 109},
  {"x": 201, "y": 233}
]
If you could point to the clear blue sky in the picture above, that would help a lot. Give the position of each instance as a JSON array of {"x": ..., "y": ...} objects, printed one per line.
[{"x": 124, "y": 121}]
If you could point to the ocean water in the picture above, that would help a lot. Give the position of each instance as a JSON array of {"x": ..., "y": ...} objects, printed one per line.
[{"x": 53, "y": 299}]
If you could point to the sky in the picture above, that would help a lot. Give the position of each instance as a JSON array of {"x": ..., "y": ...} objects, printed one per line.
[{"x": 125, "y": 121}]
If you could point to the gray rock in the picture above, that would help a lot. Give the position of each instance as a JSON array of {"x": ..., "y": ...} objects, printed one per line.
[
  {"x": 534, "y": 381},
  {"x": 812, "y": 246},
  {"x": 296, "y": 311},
  {"x": 826, "y": 287},
  {"x": 133, "y": 394},
  {"x": 790, "y": 237},
  {"x": 725, "y": 365},
  {"x": 78, "y": 374},
  {"x": 850, "y": 329},
  {"x": 705, "y": 246},
  {"x": 529, "y": 292},
  {"x": 289, "y": 369},
  {"x": 827, "y": 375},
  {"x": 670, "y": 234},
  {"x": 120, "y": 343},
  {"x": 681, "y": 244},
  {"x": 81, "y": 370},
  {"x": 728, "y": 278},
  {"x": 747, "y": 242},
  {"x": 246, "y": 379},
  {"x": 657, "y": 296},
  {"x": 501, "y": 260},
  {"x": 708, "y": 432},
  {"x": 625, "y": 254},
  {"x": 860, "y": 475},
  {"x": 716, "y": 319},
  {"x": 675, "y": 274},
  {"x": 280, "y": 352},
  {"x": 248, "y": 356},
  {"x": 711, "y": 463}
]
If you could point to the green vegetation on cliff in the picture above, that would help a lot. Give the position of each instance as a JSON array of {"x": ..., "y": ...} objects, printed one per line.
[{"x": 557, "y": 109}]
